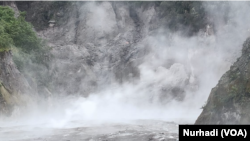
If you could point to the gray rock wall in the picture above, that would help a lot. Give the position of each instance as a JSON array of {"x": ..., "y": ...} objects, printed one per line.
[{"x": 14, "y": 88}]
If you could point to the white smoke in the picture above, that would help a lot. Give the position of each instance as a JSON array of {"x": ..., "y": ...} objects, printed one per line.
[
  {"x": 196, "y": 64},
  {"x": 200, "y": 60}
]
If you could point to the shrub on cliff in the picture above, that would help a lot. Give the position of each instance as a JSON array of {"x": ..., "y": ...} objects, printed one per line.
[
  {"x": 17, "y": 32},
  {"x": 28, "y": 50}
]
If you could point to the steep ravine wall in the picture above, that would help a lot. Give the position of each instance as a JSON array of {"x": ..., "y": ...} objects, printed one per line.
[{"x": 229, "y": 101}]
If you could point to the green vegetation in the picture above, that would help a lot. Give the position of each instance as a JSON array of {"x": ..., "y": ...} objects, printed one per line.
[
  {"x": 18, "y": 35},
  {"x": 17, "y": 32},
  {"x": 28, "y": 50}
]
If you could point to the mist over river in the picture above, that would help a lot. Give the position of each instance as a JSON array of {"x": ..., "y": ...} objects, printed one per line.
[{"x": 121, "y": 71}]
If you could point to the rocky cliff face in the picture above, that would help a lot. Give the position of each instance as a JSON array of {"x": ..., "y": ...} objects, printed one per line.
[
  {"x": 93, "y": 44},
  {"x": 107, "y": 38},
  {"x": 97, "y": 44},
  {"x": 14, "y": 88},
  {"x": 15, "y": 91},
  {"x": 228, "y": 102}
]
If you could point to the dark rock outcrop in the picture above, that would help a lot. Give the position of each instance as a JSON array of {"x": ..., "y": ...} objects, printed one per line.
[{"x": 229, "y": 101}]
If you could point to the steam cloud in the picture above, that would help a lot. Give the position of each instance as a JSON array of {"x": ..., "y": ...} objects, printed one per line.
[{"x": 193, "y": 64}]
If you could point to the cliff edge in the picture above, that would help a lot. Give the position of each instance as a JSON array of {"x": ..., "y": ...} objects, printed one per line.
[{"x": 229, "y": 101}]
